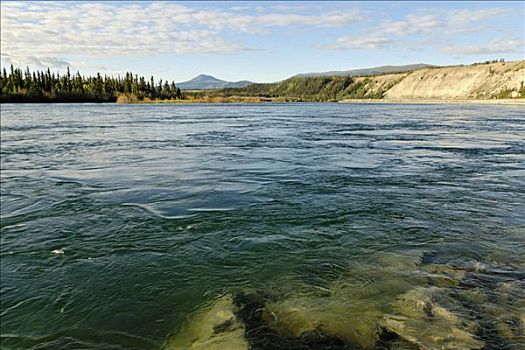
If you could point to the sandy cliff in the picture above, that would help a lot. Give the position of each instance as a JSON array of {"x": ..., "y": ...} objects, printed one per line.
[{"x": 484, "y": 81}]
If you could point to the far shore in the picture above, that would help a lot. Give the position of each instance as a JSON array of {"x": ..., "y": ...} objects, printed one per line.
[
  {"x": 508, "y": 101},
  {"x": 518, "y": 101}
]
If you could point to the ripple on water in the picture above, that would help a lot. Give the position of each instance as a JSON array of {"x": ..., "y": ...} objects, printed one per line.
[{"x": 328, "y": 224}]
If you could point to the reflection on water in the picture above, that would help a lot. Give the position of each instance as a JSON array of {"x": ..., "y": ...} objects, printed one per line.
[{"x": 245, "y": 226}]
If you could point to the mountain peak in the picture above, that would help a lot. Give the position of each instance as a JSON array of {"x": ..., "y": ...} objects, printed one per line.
[
  {"x": 207, "y": 76},
  {"x": 205, "y": 81}
]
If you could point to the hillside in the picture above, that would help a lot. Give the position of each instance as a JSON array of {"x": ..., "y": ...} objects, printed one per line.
[
  {"x": 368, "y": 71},
  {"x": 496, "y": 80},
  {"x": 204, "y": 81},
  {"x": 485, "y": 81},
  {"x": 479, "y": 81}
]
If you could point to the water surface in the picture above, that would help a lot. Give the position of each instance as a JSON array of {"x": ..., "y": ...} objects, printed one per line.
[{"x": 161, "y": 208}]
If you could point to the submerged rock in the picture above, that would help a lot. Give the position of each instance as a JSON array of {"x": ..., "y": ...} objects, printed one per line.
[
  {"x": 443, "y": 275},
  {"x": 391, "y": 341},
  {"x": 355, "y": 323},
  {"x": 419, "y": 320},
  {"x": 352, "y": 307},
  {"x": 510, "y": 315},
  {"x": 373, "y": 307},
  {"x": 397, "y": 260},
  {"x": 294, "y": 316},
  {"x": 349, "y": 309},
  {"x": 213, "y": 328},
  {"x": 263, "y": 332},
  {"x": 474, "y": 298}
]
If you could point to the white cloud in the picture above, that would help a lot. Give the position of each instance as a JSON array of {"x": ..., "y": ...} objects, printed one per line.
[
  {"x": 333, "y": 19},
  {"x": 439, "y": 22},
  {"x": 43, "y": 33},
  {"x": 494, "y": 47},
  {"x": 463, "y": 21},
  {"x": 413, "y": 24},
  {"x": 351, "y": 42},
  {"x": 435, "y": 28},
  {"x": 239, "y": 8},
  {"x": 463, "y": 16},
  {"x": 35, "y": 62},
  {"x": 57, "y": 29}
]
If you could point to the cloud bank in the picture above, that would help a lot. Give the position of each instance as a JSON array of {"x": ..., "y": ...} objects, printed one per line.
[
  {"x": 449, "y": 24},
  {"x": 61, "y": 34},
  {"x": 124, "y": 29}
]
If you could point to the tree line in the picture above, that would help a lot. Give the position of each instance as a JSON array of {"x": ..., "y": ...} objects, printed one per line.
[
  {"x": 321, "y": 88},
  {"x": 46, "y": 86}
]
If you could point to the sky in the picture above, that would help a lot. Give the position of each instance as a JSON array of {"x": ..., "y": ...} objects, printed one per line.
[{"x": 257, "y": 41}]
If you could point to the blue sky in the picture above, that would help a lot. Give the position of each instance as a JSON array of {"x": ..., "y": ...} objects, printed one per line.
[{"x": 258, "y": 41}]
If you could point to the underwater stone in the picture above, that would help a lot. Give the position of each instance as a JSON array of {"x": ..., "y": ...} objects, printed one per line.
[
  {"x": 512, "y": 293},
  {"x": 262, "y": 333},
  {"x": 432, "y": 257},
  {"x": 510, "y": 315},
  {"x": 401, "y": 344},
  {"x": 510, "y": 327},
  {"x": 213, "y": 328},
  {"x": 472, "y": 297},
  {"x": 353, "y": 320},
  {"x": 391, "y": 341},
  {"x": 352, "y": 307},
  {"x": 399, "y": 261},
  {"x": 443, "y": 275},
  {"x": 295, "y": 316},
  {"x": 419, "y": 320},
  {"x": 507, "y": 259}
]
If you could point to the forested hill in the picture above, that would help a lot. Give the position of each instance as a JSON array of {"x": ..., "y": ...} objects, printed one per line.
[
  {"x": 368, "y": 71},
  {"x": 47, "y": 86},
  {"x": 310, "y": 89},
  {"x": 487, "y": 80}
]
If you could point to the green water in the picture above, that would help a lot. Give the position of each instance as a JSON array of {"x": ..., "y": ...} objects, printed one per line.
[{"x": 159, "y": 209}]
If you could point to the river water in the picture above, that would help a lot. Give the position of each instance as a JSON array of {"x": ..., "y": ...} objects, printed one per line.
[{"x": 118, "y": 222}]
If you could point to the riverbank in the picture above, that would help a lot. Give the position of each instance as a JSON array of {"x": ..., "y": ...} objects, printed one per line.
[
  {"x": 438, "y": 101},
  {"x": 250, "y": 100},
  {"x": 215, "y": 99},
  {"x": 222, "y": 99}
]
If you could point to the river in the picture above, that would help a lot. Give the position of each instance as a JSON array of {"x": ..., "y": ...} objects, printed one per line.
[{"x": 118, "y": 222}]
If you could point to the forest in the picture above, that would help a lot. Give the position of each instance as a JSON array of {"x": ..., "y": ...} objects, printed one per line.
[
  {"x": 46, "y": 86},
  {"x": 298, "y": 89},
  {"x": 19, "y": 85},
  {"x": 322, "y": 88}
]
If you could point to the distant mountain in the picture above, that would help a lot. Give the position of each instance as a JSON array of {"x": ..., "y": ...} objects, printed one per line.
[
  {"x": 369, "y": 71},
  {"x": 203, "y": 82}
]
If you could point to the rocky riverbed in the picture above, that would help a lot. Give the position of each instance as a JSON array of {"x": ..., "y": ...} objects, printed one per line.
[{"x": 420, "y": 301}]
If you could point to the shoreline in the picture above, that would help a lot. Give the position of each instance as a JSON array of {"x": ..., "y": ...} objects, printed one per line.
[{"x": 516, "y": 101}]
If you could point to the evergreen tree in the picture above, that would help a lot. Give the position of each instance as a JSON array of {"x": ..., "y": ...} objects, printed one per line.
[{"x": 46, "y": 86}]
